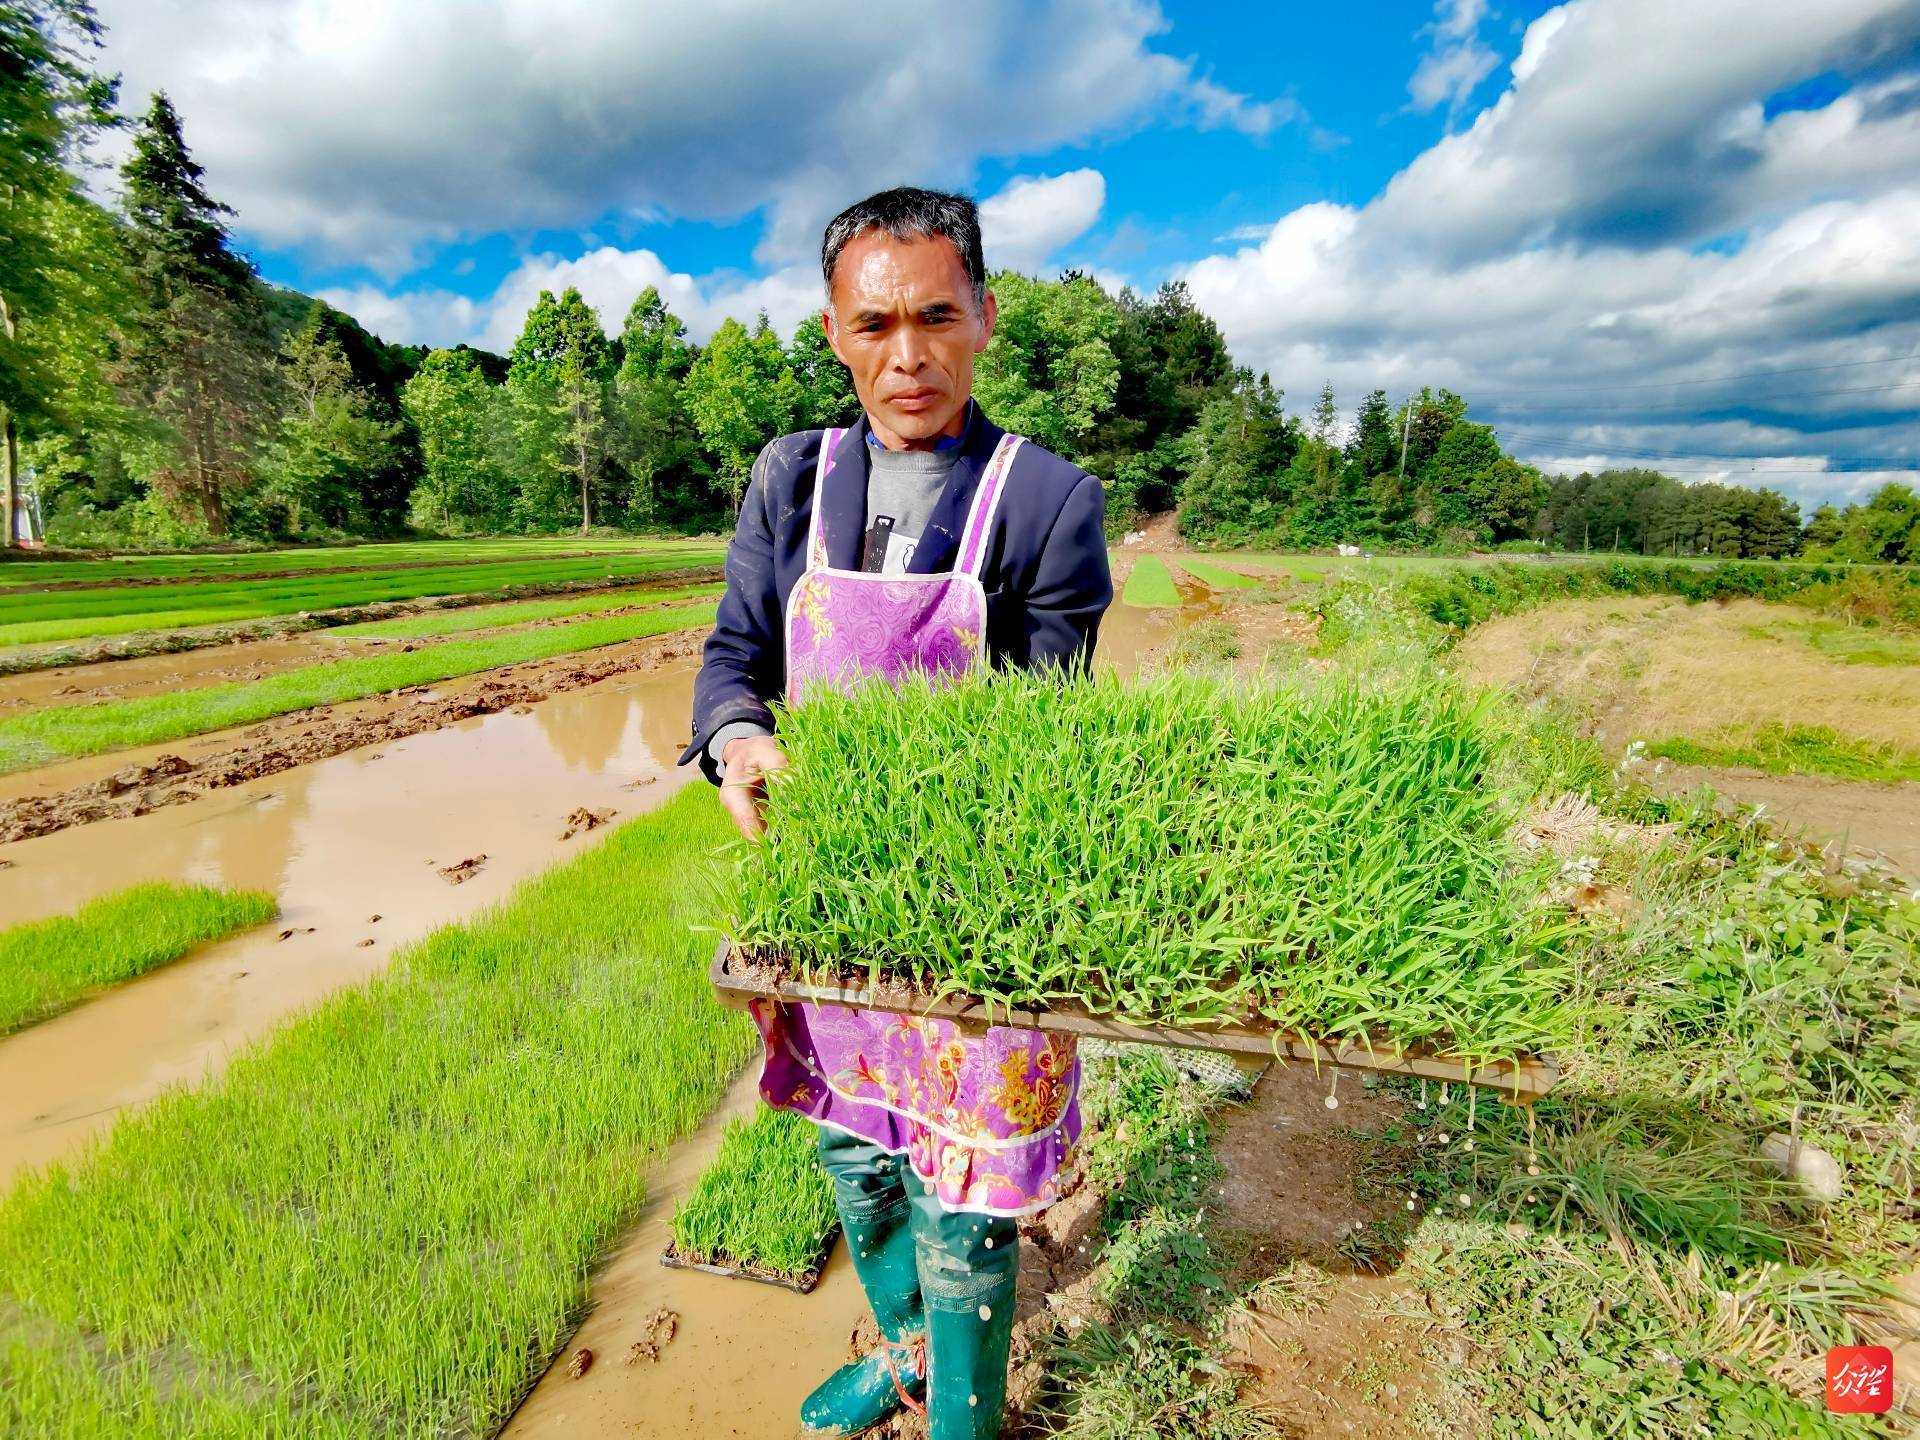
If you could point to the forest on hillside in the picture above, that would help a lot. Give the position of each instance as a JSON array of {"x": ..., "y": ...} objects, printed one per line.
[{"x": 156, "y": 392}]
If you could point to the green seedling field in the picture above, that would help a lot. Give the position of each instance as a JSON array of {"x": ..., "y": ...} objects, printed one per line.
[
  {"x": 383, "y": 1219},
  {"x": 37, "y": 737},
  {"x": 46, "y": 966},
  {"x": 764, "y": 1207},
  {"x": 490, "y": 617},
  {"x": 1218, "y": 576},
  {"x": 1328, "y": 857},
  {"x": 1150, "y": 586}
]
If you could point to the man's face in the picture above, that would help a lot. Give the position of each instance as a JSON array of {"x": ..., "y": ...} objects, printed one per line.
[{"x": 903, "y": 322}]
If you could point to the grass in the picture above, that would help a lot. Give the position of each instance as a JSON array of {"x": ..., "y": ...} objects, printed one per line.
[
  {"x": 489, "y": 617},
  {"x": 48, "y": 966},
  {"x": 383, "y": 1219},
  {"x": 57, "y": 615},
  {"x": 1206, "y": 644},
  {"x": 39, "y": 736},
  {"x": 1150, "y": 585},
  {"x": 764, "y": 1204},
  {"x": 1797, "y": 750},
  {"x": 1217, "y": 576},
  {"x": 1863, "y": 644},
  {"x": 1327, "y": 856}
]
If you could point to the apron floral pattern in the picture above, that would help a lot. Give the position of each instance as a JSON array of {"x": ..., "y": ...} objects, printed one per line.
[{"x": 987, "y": 1119}]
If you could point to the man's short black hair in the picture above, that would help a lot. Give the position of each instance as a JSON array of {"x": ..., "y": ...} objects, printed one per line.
[{"x": 910, "y": 213}]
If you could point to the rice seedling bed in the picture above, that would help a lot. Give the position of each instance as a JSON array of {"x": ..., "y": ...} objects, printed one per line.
[
  {"x": 763, "y": 1210},
  {"x": 1327, "y": 859},
  {"x": 22, "y": 573},
  {"x": 39, "y": 736},
  {"x": 1218, "y": 576},
  {"x": 77, "y": 614},
  {"x": 488, "y": 617},
  {"x": 47, "y": 966},
  {"x": 1150, "y": 586},
  {"x": 384, "y": 1218}
]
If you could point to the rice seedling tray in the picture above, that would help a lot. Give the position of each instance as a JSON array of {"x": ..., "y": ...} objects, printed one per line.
[
  {"x": 741, "y": 978},
  {"x": 802, "y": 1283}
]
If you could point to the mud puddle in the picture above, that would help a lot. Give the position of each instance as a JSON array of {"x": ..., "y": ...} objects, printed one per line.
[
  {"x": 337, "y": 842},
  {"x": 743, "y": 1356}
]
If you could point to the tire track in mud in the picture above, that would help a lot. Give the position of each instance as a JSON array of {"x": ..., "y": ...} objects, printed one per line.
[{"x": 310, "y": 735}]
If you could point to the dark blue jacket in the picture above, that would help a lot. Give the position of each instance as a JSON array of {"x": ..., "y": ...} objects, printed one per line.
[{"x": 1045, "y": 574}]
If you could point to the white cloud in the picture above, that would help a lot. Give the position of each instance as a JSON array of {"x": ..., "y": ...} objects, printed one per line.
[
  {"x": 373, "y": 132},
  {"x": 1549, "y": 263},
  {"x": 1457, "y": 63},
  {"x": 1034, "y": 215}
]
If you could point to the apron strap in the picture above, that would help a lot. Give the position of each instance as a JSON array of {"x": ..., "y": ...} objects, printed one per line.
[
  {"x": 816, "y": 541},
  {"x": 986, "y": 504}
]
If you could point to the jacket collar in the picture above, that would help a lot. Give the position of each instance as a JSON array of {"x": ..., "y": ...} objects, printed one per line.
[{"x": 844, "y": 517}]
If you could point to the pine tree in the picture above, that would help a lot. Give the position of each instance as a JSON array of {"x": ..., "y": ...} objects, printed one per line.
[{"x": 199, "y": 352}]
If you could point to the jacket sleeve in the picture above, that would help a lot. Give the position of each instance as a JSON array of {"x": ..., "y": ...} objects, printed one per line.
[
  {"x": 741, "y": 663},
  {"x": 1072, "y": 584}
]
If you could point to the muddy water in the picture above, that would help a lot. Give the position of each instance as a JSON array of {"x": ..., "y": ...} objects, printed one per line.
[
  {"x": 744, "y": 1356},
  {"x": 1130, "y": 635},
  {"x": 337, "y": 842}
]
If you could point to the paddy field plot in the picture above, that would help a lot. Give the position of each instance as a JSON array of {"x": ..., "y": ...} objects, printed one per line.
[
  {"x": 58, "y": 615},
  {"x": 58, "y": 732},
  {"x": 1150, "y": 585},
  {"x": 48, "y": 965},
  {"x": 488, "y": 617},
  {"x": 383, "y": 1218}
]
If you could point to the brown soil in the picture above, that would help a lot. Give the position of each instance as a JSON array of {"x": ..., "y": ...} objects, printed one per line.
[
  {"x": 309, "y": 735},
  {"x": 1880, "y": 820}
]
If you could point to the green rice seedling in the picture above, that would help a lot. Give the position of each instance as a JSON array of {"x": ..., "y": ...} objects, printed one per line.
[
  {"x": 384, "y": 1217},
  {"x": 491, "y": 617},
  {"x": 764, "y": 1205},
  {"x": 1150, "y": 585},
  {"x": 1217, "y": 576},
  {"x": 47, "y": 966},
  {"x": 38, "y": 736},
  {"x": 56, "y": 615},
  {"x": 1328, "y": 857}
]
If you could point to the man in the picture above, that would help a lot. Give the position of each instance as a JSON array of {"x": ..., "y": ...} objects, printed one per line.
[{"x": 890, "y": 524}]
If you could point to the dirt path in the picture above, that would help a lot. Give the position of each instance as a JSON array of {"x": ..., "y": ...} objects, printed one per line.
[
  {"x": 1879, "y": 820},
  {"x": 42, "y": 802},
  {"x": 150, "y": 674},
  {"x": 336, "y": 842}
]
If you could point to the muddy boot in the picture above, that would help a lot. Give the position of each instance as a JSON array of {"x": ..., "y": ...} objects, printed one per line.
[
  {"x": 875, "y": 1221},
  {"x": 968, "y": 1269}
]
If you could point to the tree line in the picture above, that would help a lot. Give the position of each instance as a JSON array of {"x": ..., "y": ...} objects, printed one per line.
[{"x": 159, "y": 393}]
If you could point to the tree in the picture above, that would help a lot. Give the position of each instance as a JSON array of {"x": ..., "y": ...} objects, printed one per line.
[
  {"x": 49, "y": 104},
  {"x": 1239, "y": 457},
  {"x": 198, "y": 350},
  {"x": 654, "y": 437},
  {"x": 1885, "y": 530},
  {"x": 447, "y": 400},
  {"x": 825, "y": 389},
  {"x": 330, "y": 444},
  {"x": 741, "y": 395},
  {"x": 1050, "y": 372},
  {"x": 556, "y": 382}
]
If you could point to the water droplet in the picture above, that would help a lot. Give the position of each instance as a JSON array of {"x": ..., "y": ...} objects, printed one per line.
[
  {"x": 986, "y": 1312},
  {"x": 989, "y": 1242},
  {"x": 973, "y": 1399}
]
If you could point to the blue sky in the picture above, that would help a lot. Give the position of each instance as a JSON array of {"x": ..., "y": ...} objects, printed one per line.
[{"x": 1628, "y": 231}]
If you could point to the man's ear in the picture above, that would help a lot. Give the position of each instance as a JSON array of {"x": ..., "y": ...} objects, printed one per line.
[
  {"x": 833, "y": 337},
  {"x": 990, "y": 312}
]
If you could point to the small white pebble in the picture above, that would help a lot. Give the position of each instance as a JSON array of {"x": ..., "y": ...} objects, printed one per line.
[
  {"x": 1464, "y": 1198},
  {"x": 1409, "y": 1204}
]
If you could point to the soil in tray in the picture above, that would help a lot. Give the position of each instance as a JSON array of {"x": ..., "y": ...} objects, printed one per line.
[{"x": 728, "y": 1268}]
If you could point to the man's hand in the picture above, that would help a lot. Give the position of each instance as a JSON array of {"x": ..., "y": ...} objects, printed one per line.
[{"x": 752, "y": 761}]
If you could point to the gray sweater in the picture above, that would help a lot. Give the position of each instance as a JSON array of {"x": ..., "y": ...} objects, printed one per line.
[{"x": 902, "y": 489}]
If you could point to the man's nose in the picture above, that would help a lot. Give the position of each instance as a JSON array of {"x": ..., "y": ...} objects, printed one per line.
[{"x": 909, "y": 350}]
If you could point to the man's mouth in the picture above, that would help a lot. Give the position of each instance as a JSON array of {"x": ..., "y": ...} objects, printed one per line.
[{"x": 914, "y": 399}]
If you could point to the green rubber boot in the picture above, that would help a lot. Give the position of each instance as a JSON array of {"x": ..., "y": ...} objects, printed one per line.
[
  {"x": 875, "y": 1217},
  {"x": 969, "y": 1265}
]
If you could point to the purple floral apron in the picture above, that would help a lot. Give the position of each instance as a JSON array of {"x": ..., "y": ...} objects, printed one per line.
[{"x": 986, "y": 1119}]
